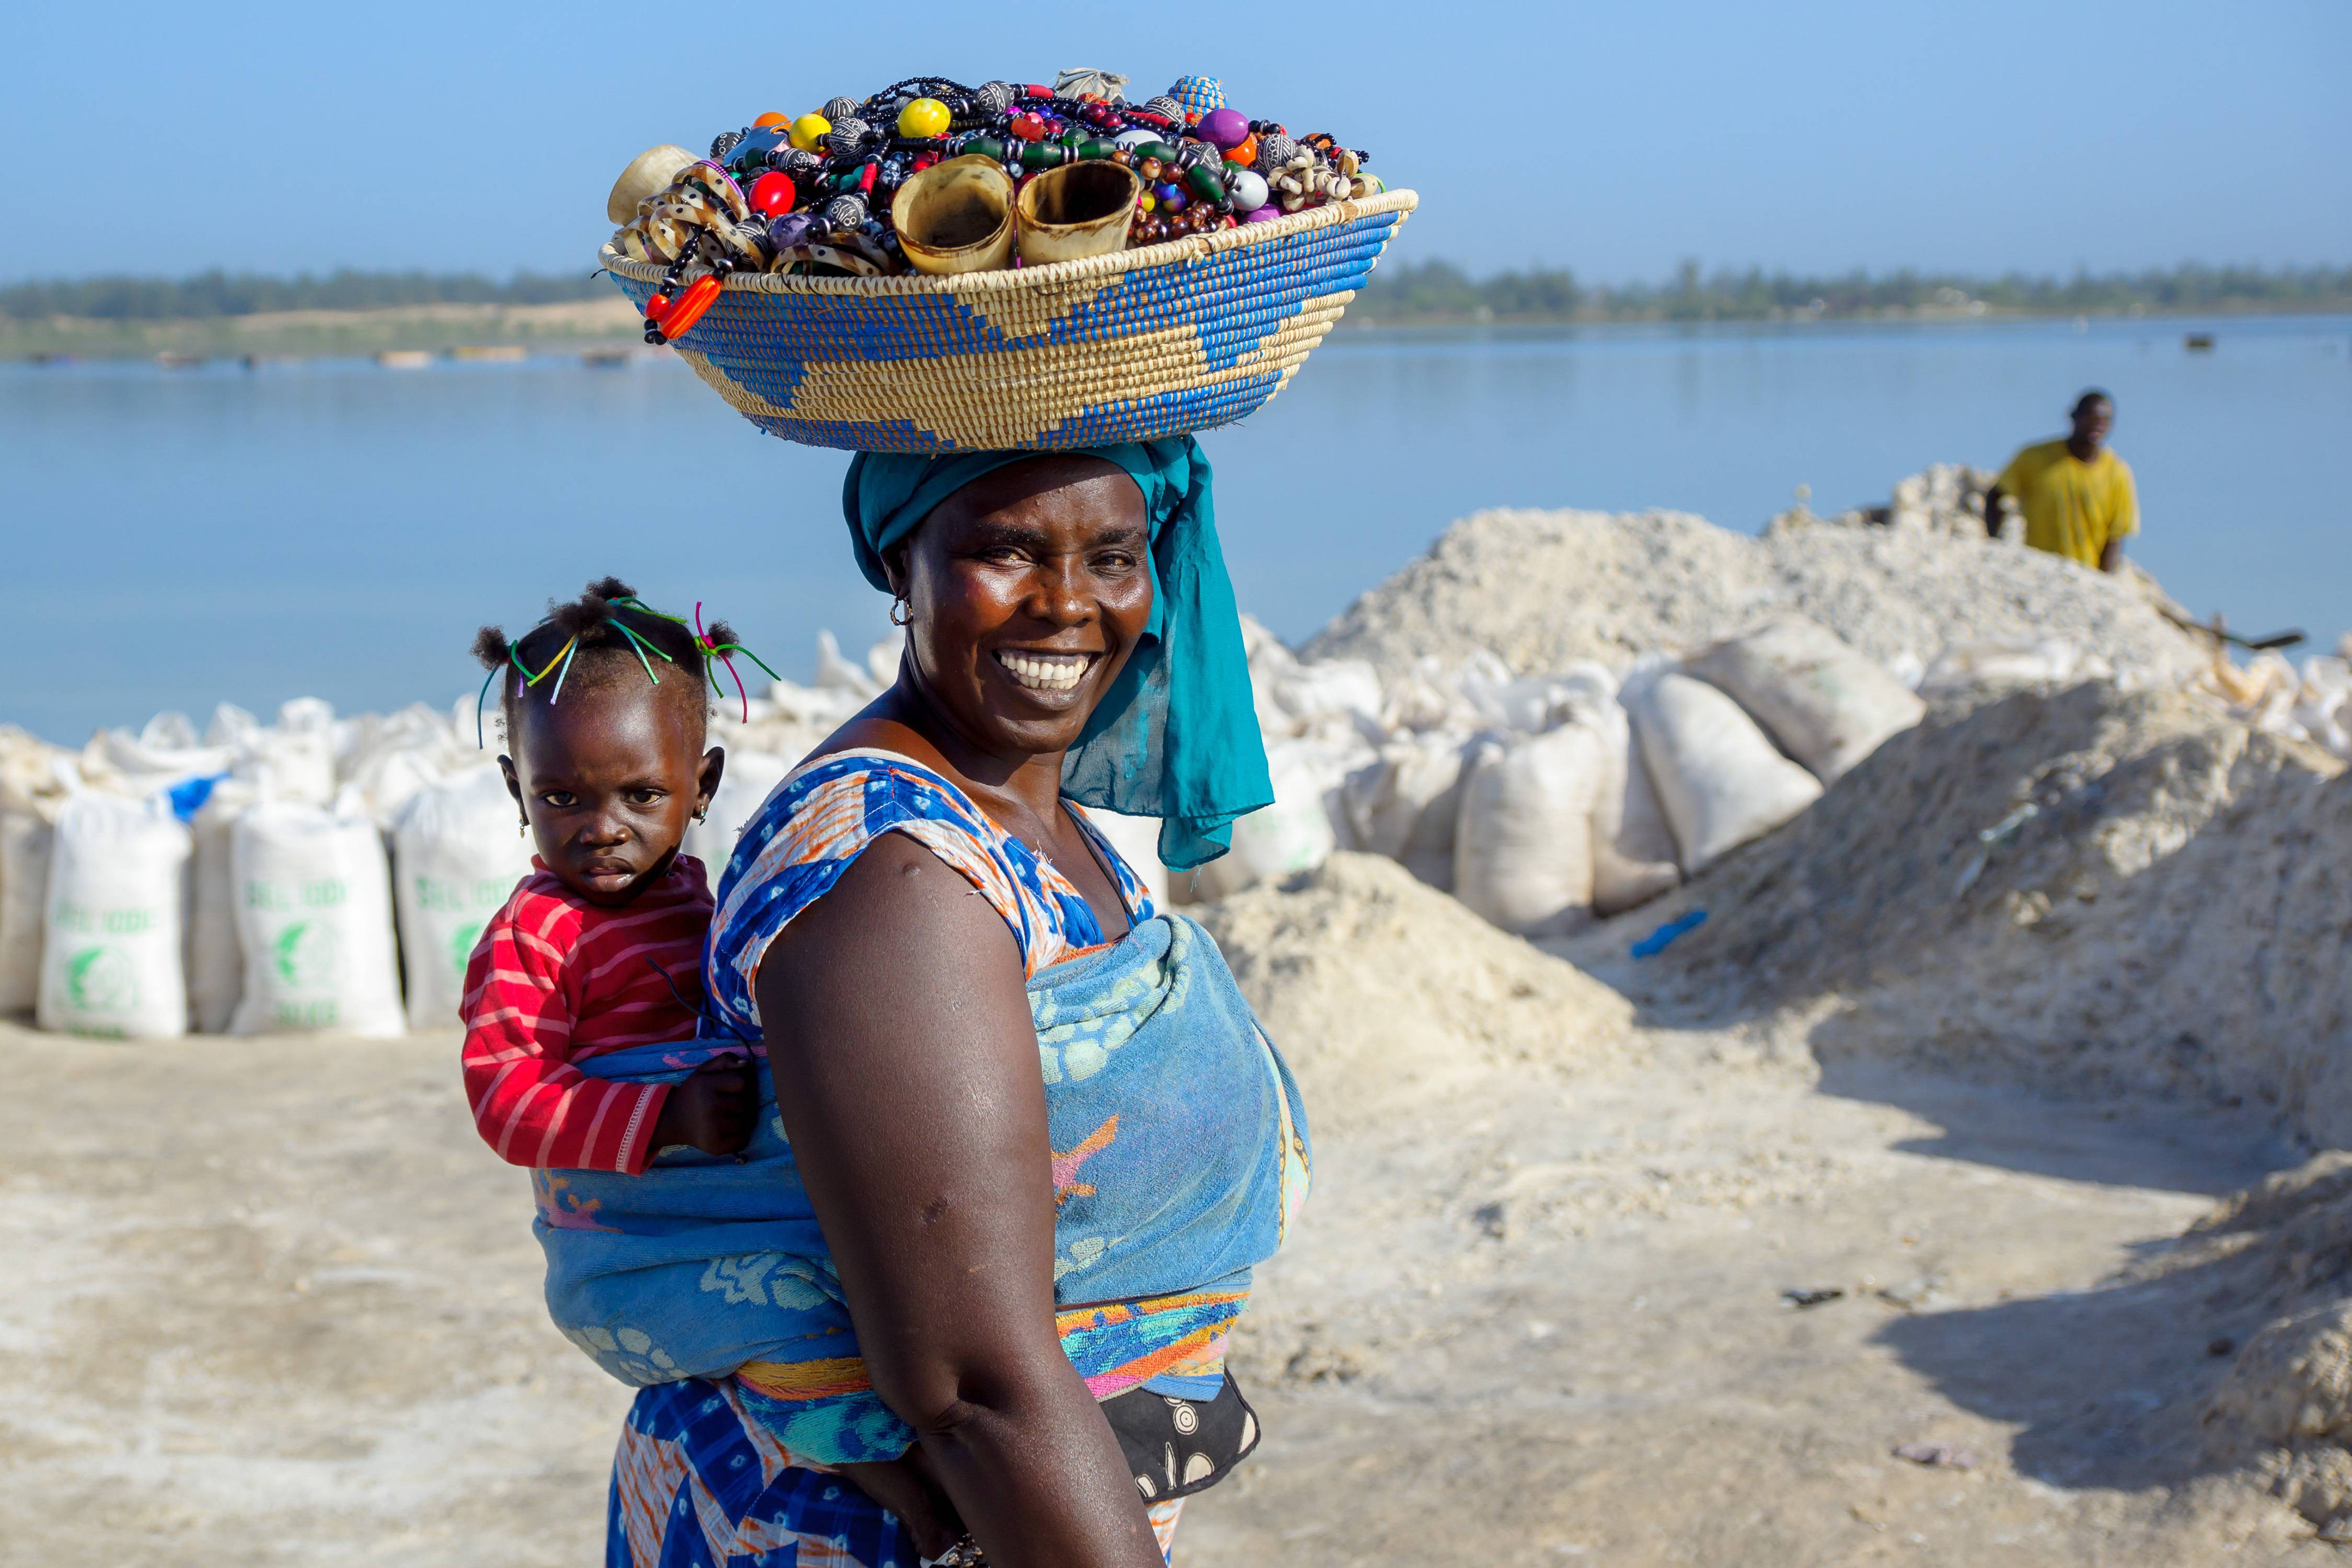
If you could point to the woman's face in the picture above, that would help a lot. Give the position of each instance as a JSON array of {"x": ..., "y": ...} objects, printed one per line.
[{"x": 1028, "y": 589}]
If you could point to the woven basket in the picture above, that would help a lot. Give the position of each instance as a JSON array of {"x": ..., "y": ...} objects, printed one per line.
[{"x": 1125, "y": 347}]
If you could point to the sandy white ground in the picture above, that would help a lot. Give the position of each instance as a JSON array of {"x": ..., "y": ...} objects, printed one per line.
[{"x": 269, "y": 1301}]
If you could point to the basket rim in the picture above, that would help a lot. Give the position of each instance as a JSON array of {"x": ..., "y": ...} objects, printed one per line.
[{"x": 1054, "y": 275}]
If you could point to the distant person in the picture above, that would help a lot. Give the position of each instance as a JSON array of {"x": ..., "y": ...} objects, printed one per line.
[{"x": 2076, "y": 495}]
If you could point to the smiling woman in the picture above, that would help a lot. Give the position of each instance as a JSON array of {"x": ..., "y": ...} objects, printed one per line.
[{"x": 1039, "y": 1134}]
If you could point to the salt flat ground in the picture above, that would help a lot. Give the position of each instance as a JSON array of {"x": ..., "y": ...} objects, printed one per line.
[{"x": 269, "y": 1301}]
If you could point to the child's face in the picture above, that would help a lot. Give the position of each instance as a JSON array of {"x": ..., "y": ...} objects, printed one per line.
[{"x": 609, "y": 780}]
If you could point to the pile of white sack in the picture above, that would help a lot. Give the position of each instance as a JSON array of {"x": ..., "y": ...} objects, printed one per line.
[
  {"x": 334, "y": 873},
  {"x": 1541, "y": 801}
]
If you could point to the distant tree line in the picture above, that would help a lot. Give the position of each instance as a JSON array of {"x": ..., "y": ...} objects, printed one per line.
[
  {"x": 1443, "y": 291},
  {"x": 1429, "y": 291},
  {"x": 214, "y": 294}
]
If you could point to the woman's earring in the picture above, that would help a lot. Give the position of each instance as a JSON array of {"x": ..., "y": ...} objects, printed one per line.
[
  {"x": 702, "y": 813},
  {"x": 898, "y": 620}
]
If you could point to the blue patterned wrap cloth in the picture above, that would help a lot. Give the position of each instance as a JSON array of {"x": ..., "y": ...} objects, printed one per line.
[{"x": 1180, "y": 1155}]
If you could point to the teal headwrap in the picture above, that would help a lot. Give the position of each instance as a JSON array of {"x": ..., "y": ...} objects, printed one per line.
[{"x": 1177, "y": 736}]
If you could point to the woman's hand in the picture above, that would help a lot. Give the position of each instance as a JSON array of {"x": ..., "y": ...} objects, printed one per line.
[
  {"x": 910, "y": 1489},
  {"x": 906, "y": 1069}
]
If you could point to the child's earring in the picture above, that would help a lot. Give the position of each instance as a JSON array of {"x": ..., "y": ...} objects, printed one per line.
[
  {"x": 900, "y": 620},
  {"x": 522, "y": 829}
]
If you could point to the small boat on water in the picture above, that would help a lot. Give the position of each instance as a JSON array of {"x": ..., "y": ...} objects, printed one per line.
[
  {"x": 606, "y": 358},
  {"x": 402, "y": 358},
  {"x": 172, "y": 360},
  {"x": 488, "y": 354}
]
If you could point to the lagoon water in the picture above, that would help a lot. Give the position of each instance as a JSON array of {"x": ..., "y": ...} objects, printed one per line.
[{"x": 179, "y": 537}]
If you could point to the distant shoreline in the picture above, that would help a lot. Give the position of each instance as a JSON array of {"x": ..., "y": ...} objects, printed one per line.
[
  {"x": 493, "y": 331},
  {"x": 396, "y": 329}
]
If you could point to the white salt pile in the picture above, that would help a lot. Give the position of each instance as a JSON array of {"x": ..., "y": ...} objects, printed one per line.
[
  {"x": 1541, "y": 589},
  {"x": 1380, "y": 989}
]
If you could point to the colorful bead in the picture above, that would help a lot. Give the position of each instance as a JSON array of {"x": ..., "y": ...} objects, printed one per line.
[
  {"x": 809, "y": 131},
  {"x": 1196, "y": 95},
  {"x": 1029, "y": 127},
  {"x": 1166, "y": 107},
  {"x": 1275, "y": 152},
  {"x": 924, "y": 118},
  {"x": 1223, "y": 128},
  {"x": 770, "y": 120},
  {"x": 1247, "y": 189},
  {"x": 773, "y": 194},
  {"x": 1172, "y": 198},
  {"x": 839, "y": 107},
  {"x": 992, "y": 98},
  {"x": 1263, "y": 214}
]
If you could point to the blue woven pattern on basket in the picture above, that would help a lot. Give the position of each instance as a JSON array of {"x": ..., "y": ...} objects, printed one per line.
[{"x": 1232, "y": 304}]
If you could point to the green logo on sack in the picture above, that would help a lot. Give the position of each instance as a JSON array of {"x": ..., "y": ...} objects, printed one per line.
[
  {"x": 462, "y": 942},
  {"x": 307, "y": 956},
  {"x": 101, "y": 979}
]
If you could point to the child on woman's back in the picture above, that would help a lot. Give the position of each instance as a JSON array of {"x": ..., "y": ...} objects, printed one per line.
[{"x": 600, "y": 949}]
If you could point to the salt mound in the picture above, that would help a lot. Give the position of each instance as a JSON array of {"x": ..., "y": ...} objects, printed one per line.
[
  {"x": 2095, "y": 889},
  {"x": 1543, "y": 588},
  {"x": 1378, "y": 988},
  {"x": 2283, "y": 1252}
]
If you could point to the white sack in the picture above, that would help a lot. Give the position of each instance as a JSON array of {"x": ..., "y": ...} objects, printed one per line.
[
  {"x": 1522, "y": 837},
  {"x": 1403, "y": 803},
  {"x": 1828, "y": 704},
  {"x": 1965, "y": 665},
  {"x": 1136, "y": 840},
  {"x": 111, "y": 959},
  {"x": 1717, "y": 775},
  {"x": 1292, "y": 835},
  {"x": 314, "y": 918},
  {"x": 25, "y": 840},
  {"x": 1633, "y": 848},
  {"x": 750, "y": 777},
  {"x": 1310, "y": 691},
  {"x": 215, "y": 960},
  {"x": 456, "y": 859}
]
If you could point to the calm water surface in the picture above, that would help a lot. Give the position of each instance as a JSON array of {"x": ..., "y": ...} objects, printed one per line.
[{"x": 329, "y": 528}]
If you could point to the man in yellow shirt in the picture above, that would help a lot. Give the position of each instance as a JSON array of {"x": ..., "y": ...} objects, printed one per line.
[{"x": 2076, "y": 495}]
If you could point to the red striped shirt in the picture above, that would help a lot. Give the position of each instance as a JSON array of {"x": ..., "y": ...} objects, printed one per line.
[{"x": 555, "y": 980}]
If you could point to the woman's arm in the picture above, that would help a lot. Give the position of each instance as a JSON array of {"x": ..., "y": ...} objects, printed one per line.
[{"x": 906, "y": 1070}]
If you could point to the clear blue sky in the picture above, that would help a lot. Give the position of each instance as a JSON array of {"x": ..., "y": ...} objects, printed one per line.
[{"x": 1615, "y": 139}]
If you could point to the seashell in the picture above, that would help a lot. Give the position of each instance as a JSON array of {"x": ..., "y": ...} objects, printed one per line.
[
  {"x": 956, "y": 217},
  {"x": 1078, "y": 79},
  {"x": 1080, "y": 209},
  {"x": 648, "y": 173},
  {"x": 839, "y": 109}
]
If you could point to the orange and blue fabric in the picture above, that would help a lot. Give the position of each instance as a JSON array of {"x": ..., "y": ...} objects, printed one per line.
[{"x": 1180, "y": 1145}]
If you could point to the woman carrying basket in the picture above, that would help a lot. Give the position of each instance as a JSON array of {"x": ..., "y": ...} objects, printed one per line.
[{"x": 1025, "y": 1139}]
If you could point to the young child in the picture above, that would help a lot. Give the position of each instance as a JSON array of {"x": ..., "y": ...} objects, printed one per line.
[{"x": 600, "y": 949}]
